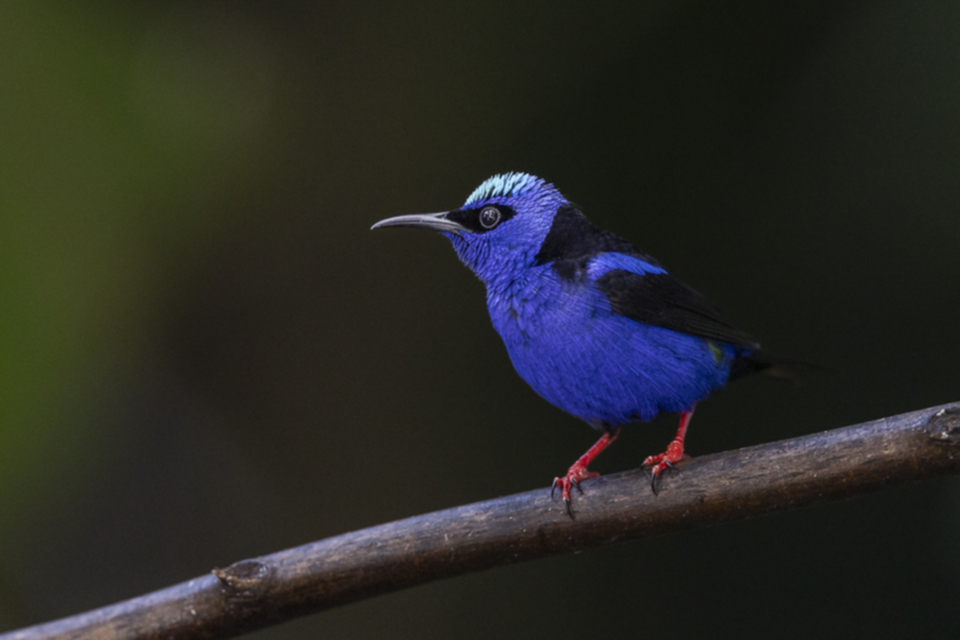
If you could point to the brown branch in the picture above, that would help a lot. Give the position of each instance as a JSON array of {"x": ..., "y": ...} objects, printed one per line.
[{"x": 716, "y": 488}]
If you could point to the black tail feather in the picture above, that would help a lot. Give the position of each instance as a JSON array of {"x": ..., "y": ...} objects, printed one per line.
[{"x": 759, "y": 362}]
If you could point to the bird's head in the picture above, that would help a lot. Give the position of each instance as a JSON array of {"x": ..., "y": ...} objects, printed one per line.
[{"x": 499, "y": 229}]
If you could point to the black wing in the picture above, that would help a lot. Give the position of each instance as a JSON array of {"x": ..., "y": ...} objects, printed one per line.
[
  {"x": 660, "y": 300},
  {"x": 652, "y": 299}
]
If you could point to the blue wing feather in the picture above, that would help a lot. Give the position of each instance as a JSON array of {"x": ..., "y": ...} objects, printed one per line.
[{"x": 602, "y": 264}]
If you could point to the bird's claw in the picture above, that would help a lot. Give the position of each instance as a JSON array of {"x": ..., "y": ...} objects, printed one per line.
[
  {"x": 663, "y": 461},
  {"x": 575, "y": 475},
  {"x": 656, "y": 472}
]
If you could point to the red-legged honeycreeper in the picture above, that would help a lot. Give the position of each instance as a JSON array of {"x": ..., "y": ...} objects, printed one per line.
[{"x": 593, "y": 324}]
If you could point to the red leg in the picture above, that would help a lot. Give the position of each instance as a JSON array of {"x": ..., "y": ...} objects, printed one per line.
[
  {"x": 674, "y": 452},
  {"x": 578, "y": 470}
]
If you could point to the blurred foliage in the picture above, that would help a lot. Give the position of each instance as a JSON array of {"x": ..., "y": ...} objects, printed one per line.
[
  {"x": 101, "y": 115},
  {"x": 207, "y": 356}
]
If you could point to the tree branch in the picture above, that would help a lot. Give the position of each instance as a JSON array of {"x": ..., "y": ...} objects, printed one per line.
[{"x": 715, "y": 488}]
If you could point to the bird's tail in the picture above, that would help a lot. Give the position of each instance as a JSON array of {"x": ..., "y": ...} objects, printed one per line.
[{"x": 755, "y": 361}]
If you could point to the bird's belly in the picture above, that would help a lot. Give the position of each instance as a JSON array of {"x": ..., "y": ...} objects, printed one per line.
[{"x": 600, "y": 366}]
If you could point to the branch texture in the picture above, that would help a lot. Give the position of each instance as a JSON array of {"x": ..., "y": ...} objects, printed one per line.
[{"x": 709, "y": 489}]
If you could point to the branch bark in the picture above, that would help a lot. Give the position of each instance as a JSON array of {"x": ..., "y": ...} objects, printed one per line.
[{"x": 263, "y": 591}]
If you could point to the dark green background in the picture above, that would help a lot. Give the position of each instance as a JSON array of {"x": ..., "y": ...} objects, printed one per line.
[{"x": 207, "y": 356}]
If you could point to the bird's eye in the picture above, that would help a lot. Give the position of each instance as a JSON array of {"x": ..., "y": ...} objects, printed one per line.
[{"x": 489, "y": 217}]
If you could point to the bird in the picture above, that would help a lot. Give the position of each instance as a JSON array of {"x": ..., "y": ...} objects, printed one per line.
[{"x": 595, "y": 326}]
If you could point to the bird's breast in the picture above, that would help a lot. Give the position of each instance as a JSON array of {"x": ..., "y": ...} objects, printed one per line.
[
  {"x": 536, "y": 308},
  {"x": 565, "y": 341}
]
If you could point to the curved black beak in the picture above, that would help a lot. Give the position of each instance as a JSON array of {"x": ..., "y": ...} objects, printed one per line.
[{"x": 435, "y": 221}]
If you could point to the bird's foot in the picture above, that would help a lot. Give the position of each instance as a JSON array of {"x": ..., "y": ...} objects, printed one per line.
[
  {"x": 664, "y": 461},
  {"x": 576, "y": 474}
]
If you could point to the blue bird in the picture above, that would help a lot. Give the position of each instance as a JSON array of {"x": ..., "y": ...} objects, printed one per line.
[{"x": 597, "y": 327}]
